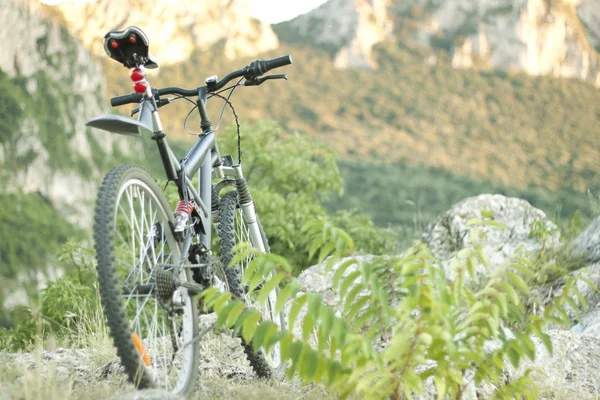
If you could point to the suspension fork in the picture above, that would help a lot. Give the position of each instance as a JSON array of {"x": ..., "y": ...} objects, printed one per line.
[{"x": 248, "y": 209}]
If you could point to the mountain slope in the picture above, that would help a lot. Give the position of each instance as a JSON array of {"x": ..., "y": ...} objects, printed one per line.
[
  {"x": 417, "y": 109},
  {"x": 56, "y": 86},
  {"x": 50, "y": 164}
]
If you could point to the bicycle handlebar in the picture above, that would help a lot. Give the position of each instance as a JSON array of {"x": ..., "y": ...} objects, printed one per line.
[
  {"x": 254, "y": 70},
  {"x": 126, "y": 99},
  {"x": 278, "y": 62}
]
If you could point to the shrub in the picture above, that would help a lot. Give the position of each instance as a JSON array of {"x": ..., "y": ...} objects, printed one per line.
[
  {"x": 68, "y": 308},
  {"x": 437, "y": 331}
]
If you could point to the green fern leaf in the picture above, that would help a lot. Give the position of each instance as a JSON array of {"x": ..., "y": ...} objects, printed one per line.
[
  {"x": 297, "y": 305},
  {"x": 518, "y": 281},
  {"x": 308, "y": 325},
  {"x": 265, "y": 330},
  {"x": 340, "y": 271},
  {"x": 223, "y": 313},
  {"x": 250, "y": 325},
  {"x": 347, "y": 282},
  {"x": 351, "y": 297},
  {"x": 357, "y": 307},
  {"x": 269, "y": 286},
  {"x": 235, "y": 312}
]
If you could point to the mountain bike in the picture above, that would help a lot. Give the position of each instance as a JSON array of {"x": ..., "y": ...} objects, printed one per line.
[{"x": 152, "y": 258}]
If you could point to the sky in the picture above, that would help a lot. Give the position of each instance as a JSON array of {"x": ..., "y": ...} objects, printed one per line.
[{"x": 269, "y": 11}]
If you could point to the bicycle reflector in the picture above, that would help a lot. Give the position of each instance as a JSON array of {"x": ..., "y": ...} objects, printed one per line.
[{"x": 138, "y": 76}]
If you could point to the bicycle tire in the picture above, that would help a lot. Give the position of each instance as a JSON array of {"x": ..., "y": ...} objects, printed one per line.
[
  {"x": 228, "y": 211},
  {"x": 125, "y": 183}
]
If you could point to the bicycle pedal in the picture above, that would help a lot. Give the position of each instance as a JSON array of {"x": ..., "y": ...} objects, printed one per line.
[
  {"x": 192, "y": 287},
  {"x": 195, "y": 266}
]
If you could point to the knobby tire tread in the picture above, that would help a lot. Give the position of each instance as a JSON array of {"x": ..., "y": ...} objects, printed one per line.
[
  {"x": 226, "y": 234},
  {"x": 108, "y": 278}
]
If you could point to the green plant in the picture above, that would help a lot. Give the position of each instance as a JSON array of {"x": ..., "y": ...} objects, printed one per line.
[
  {"x": 31, "y": 231},
  {"x": 23, "y": 335},
  {"x": 290, "y": 176},
  {"x": 67, "y": 309},
  {"x": 434, "y": 329}
]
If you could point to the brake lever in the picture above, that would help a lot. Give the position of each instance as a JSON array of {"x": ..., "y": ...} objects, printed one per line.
[
  {"x": 260, "y": 81},
  {"x": 159, "y": 104}
]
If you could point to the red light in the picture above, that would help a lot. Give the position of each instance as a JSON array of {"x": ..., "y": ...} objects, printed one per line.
[
  {"x": 132, "y": 39},
  {"x": 137, "y": 74},
  {"x": 114, "y": 44},
  {"x": 140, "y": 87}
]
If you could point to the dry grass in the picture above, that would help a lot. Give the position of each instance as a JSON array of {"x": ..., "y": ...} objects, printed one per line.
[
  {"x": 224, "y": 389},
  {"x": 52, "y": 373}
]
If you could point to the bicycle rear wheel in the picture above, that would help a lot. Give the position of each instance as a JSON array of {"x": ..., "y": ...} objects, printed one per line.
[
  {"x": 232, "y": 230},
  {"x": 153, "y": 322}
]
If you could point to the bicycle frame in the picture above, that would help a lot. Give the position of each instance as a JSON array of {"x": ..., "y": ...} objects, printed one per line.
[{"x": 198, "y": 160}]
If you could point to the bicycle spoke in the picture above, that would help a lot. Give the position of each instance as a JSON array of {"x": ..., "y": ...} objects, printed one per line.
[{"x": 143, "y": 245}]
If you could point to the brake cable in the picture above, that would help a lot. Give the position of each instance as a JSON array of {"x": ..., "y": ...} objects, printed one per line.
[
  {"x": 226, "y": 103},
  {"x": 237, "y": 124}
]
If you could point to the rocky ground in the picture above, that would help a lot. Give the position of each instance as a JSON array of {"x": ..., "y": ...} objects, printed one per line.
[
  {"x": 93, "y": 373},
  {"x": 569, "y": 372}
]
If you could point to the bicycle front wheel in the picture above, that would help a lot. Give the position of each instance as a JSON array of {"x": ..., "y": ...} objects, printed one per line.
[
  {"x": 232, "y": 230},
  {"x": 153, "y": 322}
]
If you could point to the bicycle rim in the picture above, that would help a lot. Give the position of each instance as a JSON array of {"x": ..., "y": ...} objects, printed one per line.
[{"x": 153, "y": 323}]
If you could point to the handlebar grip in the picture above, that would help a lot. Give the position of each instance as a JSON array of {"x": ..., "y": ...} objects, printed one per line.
[
  {"x": 278, "y": 62},
  {"x": 126, "y": 99}
]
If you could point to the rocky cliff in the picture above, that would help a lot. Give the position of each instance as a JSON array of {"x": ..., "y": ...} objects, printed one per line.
[
  {"x": 589, "y": 13},
  {"x": 63, "y": 86},
  {"x": 350, "y": 28},
  {"x": 175, "y": 28},
  {"x": 540, "y": 37}
]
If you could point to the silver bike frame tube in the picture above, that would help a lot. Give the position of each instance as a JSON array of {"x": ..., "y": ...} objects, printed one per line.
[{"x": 201, "y": 158}]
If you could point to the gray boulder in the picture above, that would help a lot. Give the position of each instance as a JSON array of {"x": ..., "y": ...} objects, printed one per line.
[
  {"x": 528, "y": 231},
  {"x": 587, "y": 245},
  {"x": 571, "y": 371},
  {"x": 590, "y": 321}
]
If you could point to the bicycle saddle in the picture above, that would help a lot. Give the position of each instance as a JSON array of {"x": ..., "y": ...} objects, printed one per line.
[{"x": 129, "y": 47}]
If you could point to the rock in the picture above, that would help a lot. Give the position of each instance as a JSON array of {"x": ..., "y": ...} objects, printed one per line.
[
  {"x": 587, "y": 245},
  {"x": 151, "y": 394},
  {"x": 537, "y": 37},
  {"x": 175, "y": 29},
  {"x": 449, "y": 233},
  {"x": 590, "y": 319},
  {"x": 570, "y": 369}
]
